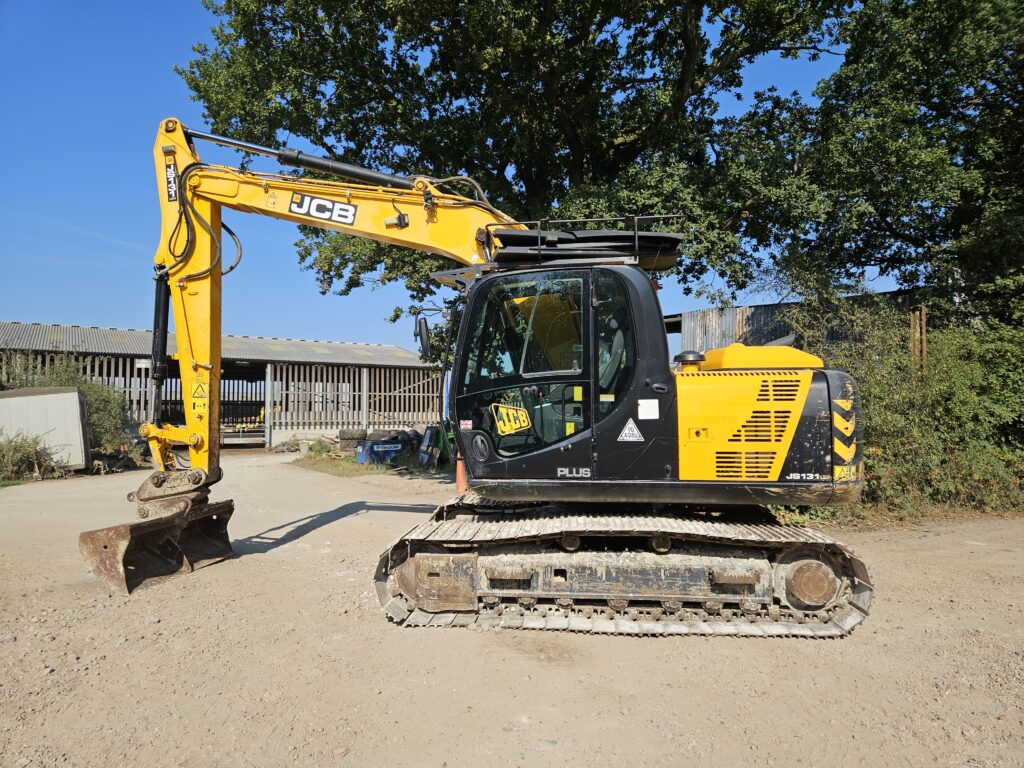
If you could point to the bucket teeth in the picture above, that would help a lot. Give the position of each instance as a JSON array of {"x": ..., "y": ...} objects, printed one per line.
[{"x": 127, "y": 555}]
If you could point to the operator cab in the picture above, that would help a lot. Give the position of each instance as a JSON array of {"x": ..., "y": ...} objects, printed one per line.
[{"x": 563, "y": 374}]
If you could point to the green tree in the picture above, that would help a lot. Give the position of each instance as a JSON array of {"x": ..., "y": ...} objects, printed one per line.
[
  {"x": 550, "y": 104},
  {"x": 911, "y": 164},
  {"x": 916, "y": 152}
]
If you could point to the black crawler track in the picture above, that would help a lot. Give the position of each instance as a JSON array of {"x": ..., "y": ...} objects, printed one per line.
[{"x": 469, "y": 525}]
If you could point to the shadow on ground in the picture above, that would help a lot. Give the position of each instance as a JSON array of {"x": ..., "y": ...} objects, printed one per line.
[
  {"x": 279, "y": 535},
  {"x": 441, "y": 477}
]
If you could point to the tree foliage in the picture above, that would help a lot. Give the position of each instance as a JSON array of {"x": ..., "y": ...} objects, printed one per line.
[
  {"x": 910, "y": 164},
  {"x": 545, "y": 103},
  {"x": 916, "y": 148}
]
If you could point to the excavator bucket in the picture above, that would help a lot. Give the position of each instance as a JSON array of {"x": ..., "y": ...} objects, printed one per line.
[{"x": 127, "y": 555}]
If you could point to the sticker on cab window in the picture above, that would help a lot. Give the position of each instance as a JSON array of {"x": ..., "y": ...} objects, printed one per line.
[{"x": 510, "y": 419}]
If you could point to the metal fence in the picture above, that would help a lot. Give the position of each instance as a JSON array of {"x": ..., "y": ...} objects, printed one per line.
[
  {"x": 350, "y": 398},
  {"x": 289, "y": 398}
]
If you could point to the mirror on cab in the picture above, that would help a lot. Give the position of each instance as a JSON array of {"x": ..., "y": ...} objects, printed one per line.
[{"x": 422, "y": 334}]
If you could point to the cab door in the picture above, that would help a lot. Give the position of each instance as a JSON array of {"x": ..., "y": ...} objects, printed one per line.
[
  {"x": 635, "y": 424},
  {"x": 522, "y": 391}
]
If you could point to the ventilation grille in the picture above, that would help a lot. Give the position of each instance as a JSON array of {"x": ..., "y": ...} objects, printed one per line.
[
  {"x": 778, "y": 391},
  {"x": 763, "y": 427},
  {"x": 743, "y": 465},
  {"x": 741, "y": 374}
]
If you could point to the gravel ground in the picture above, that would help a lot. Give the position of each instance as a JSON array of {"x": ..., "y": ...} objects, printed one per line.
[{"x": 282, "y": 657}]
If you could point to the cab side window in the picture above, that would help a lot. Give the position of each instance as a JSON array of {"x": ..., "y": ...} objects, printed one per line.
[{"x": 615, "y": 342}]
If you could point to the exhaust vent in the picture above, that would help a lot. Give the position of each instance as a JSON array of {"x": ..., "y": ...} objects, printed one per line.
[
  {"x": 743, "y": 465},
  {"x": 778, "y": 391},
  {"x": 763, "y": 427}
]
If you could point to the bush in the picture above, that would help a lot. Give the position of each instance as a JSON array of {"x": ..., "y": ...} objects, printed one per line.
[
  {"x": 23, "y": 456},
  {"x": 950, "y": 432},
  {"x": 320, "y": 448}
]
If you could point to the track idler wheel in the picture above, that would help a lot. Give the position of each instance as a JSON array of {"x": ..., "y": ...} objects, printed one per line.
[
  {"x": 809, "y": 580},
  {"x": 810, "y": 584}
]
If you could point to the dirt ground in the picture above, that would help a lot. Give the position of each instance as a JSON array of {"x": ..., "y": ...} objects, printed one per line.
[{"x": 282, "y": 657}]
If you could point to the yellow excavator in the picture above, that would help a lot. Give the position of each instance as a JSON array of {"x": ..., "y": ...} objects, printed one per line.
[{"x": 610, "y": 489}]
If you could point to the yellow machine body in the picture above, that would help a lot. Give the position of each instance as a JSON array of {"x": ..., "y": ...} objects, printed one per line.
[
  {"x": 562, "y": 394},
  {"x": 741, "y": 411}
]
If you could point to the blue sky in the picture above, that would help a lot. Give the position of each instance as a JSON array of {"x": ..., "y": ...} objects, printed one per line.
[{"x": 84, "y": 91}]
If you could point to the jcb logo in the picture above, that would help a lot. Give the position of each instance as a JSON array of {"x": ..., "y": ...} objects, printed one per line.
[
  {"x": 509, "y": 419},
  {"x": 320, "y": 208}
]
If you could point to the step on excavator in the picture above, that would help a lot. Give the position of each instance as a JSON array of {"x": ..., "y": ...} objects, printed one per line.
[{"x": 610, "y": 489}]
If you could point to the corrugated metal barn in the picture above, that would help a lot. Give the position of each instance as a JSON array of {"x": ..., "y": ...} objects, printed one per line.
[
  {"x": 704, "y": 329},
  {"x": 271, "y": 389}
]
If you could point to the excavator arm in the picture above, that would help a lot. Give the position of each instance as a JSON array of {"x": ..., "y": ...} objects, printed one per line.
[
  {"x": 179, "y": 528},
  {"x": 411, "y": 213}
]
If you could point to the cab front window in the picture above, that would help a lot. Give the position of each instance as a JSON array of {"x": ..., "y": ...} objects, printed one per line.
[
  {"x": 525, "y": 377},
  {"x": 527, "y": 326}
]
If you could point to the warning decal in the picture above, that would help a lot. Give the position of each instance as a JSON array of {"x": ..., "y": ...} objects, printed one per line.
[
  {"x": 630, "y": 433},
  {"x": 199, "y": 391}
]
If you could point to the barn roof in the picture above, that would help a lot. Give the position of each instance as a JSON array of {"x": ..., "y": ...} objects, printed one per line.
[{"x": 92, "y": 340}]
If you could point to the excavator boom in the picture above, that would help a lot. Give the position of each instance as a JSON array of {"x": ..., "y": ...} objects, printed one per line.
[{"x": 178, "y": 528}]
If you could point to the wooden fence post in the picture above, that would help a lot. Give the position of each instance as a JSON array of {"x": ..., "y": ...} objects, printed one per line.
[
  {"x": 919, "y": 335},
  {"x": 365, "y": 399}
]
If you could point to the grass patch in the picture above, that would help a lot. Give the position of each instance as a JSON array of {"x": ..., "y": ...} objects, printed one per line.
[
  {"x": 343, "y": 467},
  {"x": 347, "y": 466}
]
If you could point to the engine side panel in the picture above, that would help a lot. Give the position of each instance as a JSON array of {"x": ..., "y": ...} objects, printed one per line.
[{"x": 740, "y": 425}]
